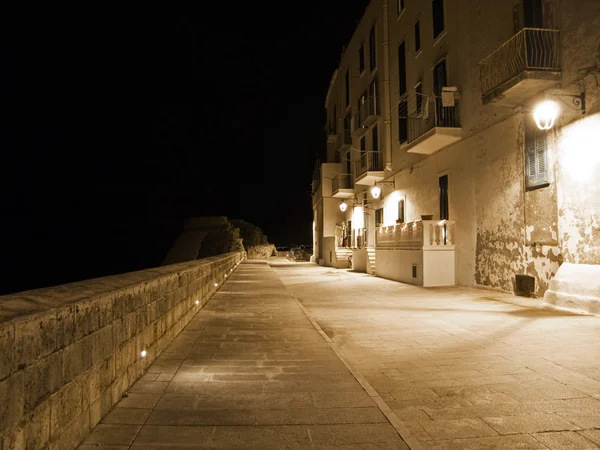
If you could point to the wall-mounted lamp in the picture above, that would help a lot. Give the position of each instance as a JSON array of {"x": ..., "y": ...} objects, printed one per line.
[
  {"x": 376, "y": 190},
  {"x": 545, "y": 113},
  {"x": 343, "y": 206}
]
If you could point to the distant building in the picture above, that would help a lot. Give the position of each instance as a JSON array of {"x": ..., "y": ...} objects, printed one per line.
[{"x": 434, "y": 103}]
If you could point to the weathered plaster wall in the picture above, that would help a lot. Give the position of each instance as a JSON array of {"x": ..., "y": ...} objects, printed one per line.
[
  {"x": 68, "y": 353},
  {"x": 578, "y": 152}
]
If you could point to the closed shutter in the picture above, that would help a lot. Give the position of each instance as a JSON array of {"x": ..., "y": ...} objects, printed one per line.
[
  {"x": 540, "y": 158},
  {"x": 530, "y": 157},
  {"x": 536, "y": 158}
]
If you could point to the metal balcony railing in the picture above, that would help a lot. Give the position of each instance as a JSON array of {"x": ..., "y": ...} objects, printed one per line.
[
  {"x": 370, "y": 161},
  {"x": 342, "y": 181},
  {"x": 369, "y": 110},
  {"x": 433, "y": 114},
  {"x": 530, "y": 49}
]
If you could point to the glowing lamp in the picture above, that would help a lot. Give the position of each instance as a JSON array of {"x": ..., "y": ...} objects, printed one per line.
[
  {"x": 343, "y": 206},
  {"x": 197, "y": 302},
  {"x": 545, "y": 114},
  {"x": 375, "y": 191}
]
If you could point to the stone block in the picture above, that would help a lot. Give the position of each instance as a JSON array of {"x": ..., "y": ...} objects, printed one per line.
[
  {"x": 102, "y": 344},
  {"x": 35, "y": 337},
  {"x": 36, "y": 431},
  {"x": 12, "y": 439},
  {"x": 42, "y": 379},
  {"x": 66, "y": 327},
  {"x": 7, "y": 349},
  {"x": 65, "y": 406},
  {"x": 77, "y": 358},
  {"x": 124, "y": 356},
  {"x": 11, "y": 400},
  {"x": 73, "y": 434}
]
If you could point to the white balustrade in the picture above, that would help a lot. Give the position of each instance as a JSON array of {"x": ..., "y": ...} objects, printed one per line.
[{"x": 416, "y": 235}]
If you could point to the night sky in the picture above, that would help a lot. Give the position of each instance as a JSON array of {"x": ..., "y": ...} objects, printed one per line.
[{"x": 118, "y": 122}]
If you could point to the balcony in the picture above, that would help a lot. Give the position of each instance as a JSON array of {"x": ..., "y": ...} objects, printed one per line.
[
  {"x": 342, "y": 186},
  {"x": 419, "y": 252},
  {"x": 368, "y": 112},
  {"x": 345, "y": 141},
  {"x": 434, "y": 128},
  {"x": 525, "y": 65},
  {"x": 369, "y": 168},
  {"x": 331, "y": 134}
]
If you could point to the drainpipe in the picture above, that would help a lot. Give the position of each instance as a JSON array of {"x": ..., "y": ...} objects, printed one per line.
[{"x": 386, "y": 87}]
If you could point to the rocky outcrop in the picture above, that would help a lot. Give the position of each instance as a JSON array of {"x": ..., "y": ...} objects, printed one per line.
[{"x": 214, "y": 235}]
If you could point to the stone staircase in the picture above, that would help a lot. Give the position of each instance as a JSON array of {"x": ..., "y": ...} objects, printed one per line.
[
  {"x": 342, "y": 255},
  {"x": 371, "y": 260}
]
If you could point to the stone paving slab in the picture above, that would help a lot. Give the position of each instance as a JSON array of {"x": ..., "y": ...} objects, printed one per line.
[
  {"x": 249, "y": 371},
  {"x": 461, "y": 368}
]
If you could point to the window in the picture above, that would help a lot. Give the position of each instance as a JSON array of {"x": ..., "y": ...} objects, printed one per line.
[
  {"x": 402, "y": 68},
  {"x": 347, "y": 86},
  {"x": 362, "y": 104},
  {"x": 438, "y": 17},
  {"x": 372, "y": 50},
  {"x": 403, "y": 121},
  {"x": 348, "y": 163},
  {"x": 347, "y": 120},
  {"x": 363, "y": 144},
  {"x": 334, "y": 121},
  {"x": 417, "y": 37},
  {"x": 373, "y": 103},
  {"x": 378, "y": 217},
  {"x": 536, "y": 161},
  {"x": 361, "y": 58},
  {"x": 399, "y": 6},
  {"x": 375, "y": 137},
  {"x": 400, "y": 211},
  {"x": 532, "y": 14},
  {"x": 439, "y": 77},
  {"x": 444, "y": 213},
  {"x": 419, "y": 98}
]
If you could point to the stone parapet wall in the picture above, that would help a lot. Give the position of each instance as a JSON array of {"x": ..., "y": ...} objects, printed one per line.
[{"x": 68, "y": 353}]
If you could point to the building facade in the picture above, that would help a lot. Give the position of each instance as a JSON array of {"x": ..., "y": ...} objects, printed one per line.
[{"x": 443, "y": 120}]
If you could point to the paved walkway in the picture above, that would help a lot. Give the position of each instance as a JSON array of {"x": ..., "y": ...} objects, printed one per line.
[
  {"x": 249, "y": 371},
  {"x": 461, "y": 368}
]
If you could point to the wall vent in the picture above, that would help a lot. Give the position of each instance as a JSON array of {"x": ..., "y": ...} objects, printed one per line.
[
  {"x": 414, "y": 271},
  {"x": 525, "y": 285}
]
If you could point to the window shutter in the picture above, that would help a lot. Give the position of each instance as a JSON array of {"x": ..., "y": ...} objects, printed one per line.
[
  {"x": 540, "y": 154},
  {"x": 530, "y": 157}
]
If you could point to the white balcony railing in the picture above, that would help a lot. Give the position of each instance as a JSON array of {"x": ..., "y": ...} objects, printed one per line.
[{"x": 416, "y": 235}]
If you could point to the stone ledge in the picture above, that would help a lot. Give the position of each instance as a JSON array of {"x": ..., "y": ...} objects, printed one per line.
[{"x": 69, "y": 352}]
